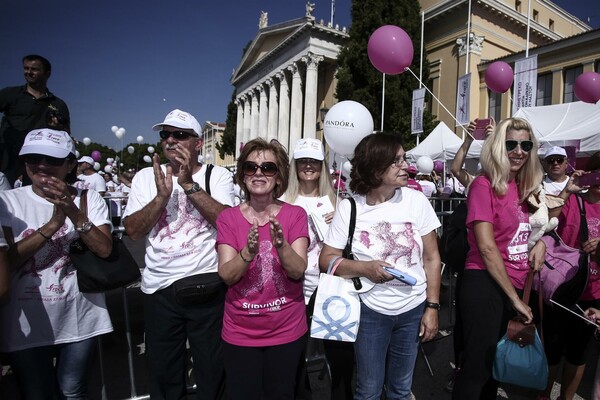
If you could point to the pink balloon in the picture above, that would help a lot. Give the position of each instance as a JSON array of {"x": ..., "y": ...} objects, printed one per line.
[
  {"x": 96, "y": 155},
  {"x": 390, "y": 49},
  {"x": 587, "y": 87},
  {"x": 499, "y": 77},
  {"x": 438, "y": 166}
]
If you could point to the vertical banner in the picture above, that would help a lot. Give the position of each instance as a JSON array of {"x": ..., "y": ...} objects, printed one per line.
[
  {"x": 525, "y": 83},
  {"x": 463, "y": 100},
  {"x": 418, "y": 105}
]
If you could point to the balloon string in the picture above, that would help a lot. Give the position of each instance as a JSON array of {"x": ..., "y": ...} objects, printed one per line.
[{"x": 438, "y": 100}]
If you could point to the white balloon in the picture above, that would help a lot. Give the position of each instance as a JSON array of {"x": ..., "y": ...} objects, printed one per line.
[
  {"x": 108, "y": 168},
  {"x": 130, "y": 149},
  {"x": 150, "y": 149},
  {"x": 121, "y": 165},
  {"x": 346, "y": 124},
  {"x": 77, "y": 154},
  {"x": 148, "y": 159},
  {"x": 122, "y": 130},
  {"x": 97, "y": 166},
  {"x": 114, "y": 129},
  {"x": 119, "y": 134},
  {"x": 425, "y": 164},
  {"x": 140, "y": 139},
  {"x": 110, "y": 160},
  {"x": 87, "y": 141},
  {"x": 346, "y": 168}
]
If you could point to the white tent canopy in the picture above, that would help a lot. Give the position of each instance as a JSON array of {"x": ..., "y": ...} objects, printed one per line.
[
  {"x": 436, "y": 144},
  {"x": 556, "y": 124}
]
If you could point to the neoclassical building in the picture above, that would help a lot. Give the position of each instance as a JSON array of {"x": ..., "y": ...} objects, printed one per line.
[{"x": 286, "y": 79}]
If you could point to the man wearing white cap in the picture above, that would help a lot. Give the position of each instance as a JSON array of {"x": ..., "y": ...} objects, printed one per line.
[
  {"x": 175, "y": 207},
  {"x": 87, "y": 177},
  {"x": 555, "y": 164}
]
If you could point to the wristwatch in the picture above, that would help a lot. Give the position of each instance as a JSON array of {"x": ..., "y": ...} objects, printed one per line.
[
  {"x": 435, "y": 306},
  {"x": 85, "y": 227},
  {"x": 195, "y": 188}
]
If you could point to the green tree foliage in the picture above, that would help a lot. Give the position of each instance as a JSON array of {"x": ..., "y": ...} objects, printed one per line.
[
  {"x": 360, "y": 81},
  {"x": 228, "y": 144}
]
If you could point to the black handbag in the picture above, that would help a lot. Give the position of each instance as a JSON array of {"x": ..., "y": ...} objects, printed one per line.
[{"x": 96, "y": 274}]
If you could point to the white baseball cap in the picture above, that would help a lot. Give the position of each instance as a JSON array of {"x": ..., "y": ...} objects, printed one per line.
[
  {"x": 86, "y": 159},
  {"x": 309, "y": 148},
  {"x": 48, "y": 142},
  {"x": 180, "y": 119},
  {"x": 555, "y": 151}
]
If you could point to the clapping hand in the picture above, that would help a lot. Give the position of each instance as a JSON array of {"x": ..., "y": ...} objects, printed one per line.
[
  {"x": 253, "y": 239},
  {"x": 164, "y": 182},
  {"x": 276, "y": 232}
]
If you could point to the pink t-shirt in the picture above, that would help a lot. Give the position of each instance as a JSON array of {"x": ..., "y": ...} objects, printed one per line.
[
  {"x": 568, "y": 229},
  {"x": 414, "y": 185},
  {"x": 265, "y": 307},
  {"x": 510, "y": 221}
]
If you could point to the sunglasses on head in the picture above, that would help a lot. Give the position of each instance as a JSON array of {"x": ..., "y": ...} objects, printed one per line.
[
  {"x": 178, "y": 135},
  {"x": 526, "y": 145},
  {"x": 268, "y": 168},
  {"x": 555, "y": 160},
  {"x": 37, "y": 159}
]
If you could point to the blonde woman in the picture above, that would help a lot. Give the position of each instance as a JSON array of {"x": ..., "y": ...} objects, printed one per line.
[{"x": 498, "y": 260}]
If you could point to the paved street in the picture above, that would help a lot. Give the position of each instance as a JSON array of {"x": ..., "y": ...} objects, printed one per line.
[{"x": 117, "y": 375}]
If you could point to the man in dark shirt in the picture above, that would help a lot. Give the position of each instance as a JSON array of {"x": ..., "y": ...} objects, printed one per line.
[{"x": 28, "y": 107}]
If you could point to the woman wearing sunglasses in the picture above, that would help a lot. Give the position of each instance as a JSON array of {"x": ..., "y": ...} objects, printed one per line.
[
  {"x": 498, "y": 260},
  {"x": 46, "y": 316},
  {"x": 262, "y": 247}
]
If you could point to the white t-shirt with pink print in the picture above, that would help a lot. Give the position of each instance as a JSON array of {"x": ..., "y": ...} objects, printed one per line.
[{"x": 392, "y": 232}]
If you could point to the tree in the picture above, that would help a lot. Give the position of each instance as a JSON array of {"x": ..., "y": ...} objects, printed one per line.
[
  {"x": 360, "y": 81},
  {"x": 227, "y": 144}
]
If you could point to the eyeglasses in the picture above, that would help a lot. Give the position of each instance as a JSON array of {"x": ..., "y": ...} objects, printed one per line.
[
  {"x": 399, "y": 161},
  {"x": 554, "y": 160},
  {"x": 178, "y": 135},
  {"x": 268, "y": 168},
  {"x": 526, "y": 145},
  {"x": 306, "y": 161},
  {"x": 37, "y": 159}
]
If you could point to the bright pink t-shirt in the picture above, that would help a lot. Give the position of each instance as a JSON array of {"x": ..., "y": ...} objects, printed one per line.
[
  {"x": 568, "y": 229},
  {"x": 510, "y": 221},
  {"x": 265, "y": 307}
]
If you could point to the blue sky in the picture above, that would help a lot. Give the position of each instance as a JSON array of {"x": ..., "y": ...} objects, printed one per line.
[{"x": 129, "y": 62}]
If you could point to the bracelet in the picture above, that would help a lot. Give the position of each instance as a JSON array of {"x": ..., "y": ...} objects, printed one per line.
[
  {"x": 330, "y": 267},
  {"x": 48, "y": 239},
  {"x": 243, "y": 259}
]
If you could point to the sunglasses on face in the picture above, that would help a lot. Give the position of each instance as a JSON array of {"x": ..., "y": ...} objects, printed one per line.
[
  {"x": 306, "y": 161},
  {"x": 553, "y": 160},
  {"x": 37, "y": 159},
  {"x": 526, "y": 145},
  {"x": 268, "y": 168},
  {"x": 178, "y": 135}
]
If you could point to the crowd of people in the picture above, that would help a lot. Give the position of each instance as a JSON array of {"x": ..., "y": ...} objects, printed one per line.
[{"x": 232, "y": 273}]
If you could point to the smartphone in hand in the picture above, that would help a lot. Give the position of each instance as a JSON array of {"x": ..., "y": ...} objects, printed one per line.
[
  {"x": 480, "y": 127},
  {"x": 591, "y": 179}
]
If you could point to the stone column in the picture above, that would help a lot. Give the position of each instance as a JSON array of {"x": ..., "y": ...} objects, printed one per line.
[
  {"x": 273, "y": 110},
  {"x": 263, "y": 112},
  {"x": 296, "y": 106},
  {"x": 310, "y": 94},
  {"x": 255, "y": 117},
  {"x": 239, "y": 125},
  {"x": 247, "y": 117},
  {"x": 283, "y": 125}
]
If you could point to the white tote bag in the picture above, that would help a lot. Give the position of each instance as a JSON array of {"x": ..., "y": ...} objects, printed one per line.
[{"x": 337, "y": 310}]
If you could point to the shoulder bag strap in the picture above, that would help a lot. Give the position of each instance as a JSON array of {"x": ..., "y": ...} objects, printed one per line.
[
  {"x": 209, "y": 168},
  {"x": 348, "y": 248},
  {"x": 583, "y": 227}
]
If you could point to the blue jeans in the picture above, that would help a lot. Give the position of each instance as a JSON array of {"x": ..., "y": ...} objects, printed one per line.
[
  {"x": 36, "y": 375},
  {"x": 386, "y": 343}
]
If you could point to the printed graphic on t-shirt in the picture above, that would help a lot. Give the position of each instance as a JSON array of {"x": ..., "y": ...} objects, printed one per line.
[
  {"x": 398, "y": 248},
  {"x": 593, "y": 232},
  {"x": 517, "y": 247},
  {"x": 178, "y": 222}
]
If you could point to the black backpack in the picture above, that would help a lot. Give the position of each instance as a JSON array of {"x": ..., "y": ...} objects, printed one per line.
[{"x": 453, "y": 243}]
